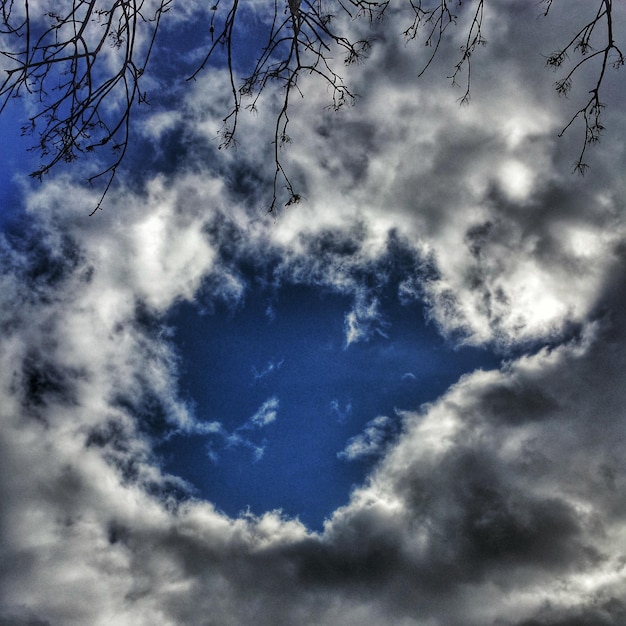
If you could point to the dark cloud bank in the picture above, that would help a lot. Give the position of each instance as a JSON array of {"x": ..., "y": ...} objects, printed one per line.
[{"x": 500, "y": 503}]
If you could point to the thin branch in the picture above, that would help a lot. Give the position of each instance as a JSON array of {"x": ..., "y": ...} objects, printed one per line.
[
  {"x": 84, "y": 55},
  {"x": 591, "y": 111},
  {"x": 60, "y": 59}
]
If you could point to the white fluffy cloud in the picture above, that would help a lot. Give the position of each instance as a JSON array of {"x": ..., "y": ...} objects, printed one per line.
[{"x": 521, "y": 247}]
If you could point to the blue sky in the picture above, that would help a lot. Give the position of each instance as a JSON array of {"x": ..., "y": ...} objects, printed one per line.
[
  {"x": 15, "y": 159},
  {"x": 286, "y": 347},
  {"x": 397, "y": 402}
]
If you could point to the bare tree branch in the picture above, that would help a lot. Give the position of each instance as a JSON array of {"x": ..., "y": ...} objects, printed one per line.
[
  {"x": 81, "y": 65},
  {"x": 78, "y": 62},
  {"x": 436, "y": 20},
  {"x": 581, "y": 44},
  {"x": 300, "y": 41}
]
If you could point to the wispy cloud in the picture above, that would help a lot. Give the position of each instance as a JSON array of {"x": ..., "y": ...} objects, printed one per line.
[
  {"x": 240, "y": 437},
  {"x": 372, "y": 441},
  {"x": 237, "y": 440},
  {"x": 217, "y": 437},
  {"x": 265, "y": 415},
  {"x": 364, "y": 321},
  {"x": 342, "y": 414},
  {"x": 269, "y": 368}
]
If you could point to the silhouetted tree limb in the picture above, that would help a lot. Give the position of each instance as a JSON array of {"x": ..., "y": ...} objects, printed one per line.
[
  {"x": 78, "y": 63},
  {"x": 301, "y": 41},
  {"x": 582, "y": 46},
  {"x": 435, "y": 21},
  {"x": 81, "y": 65}
]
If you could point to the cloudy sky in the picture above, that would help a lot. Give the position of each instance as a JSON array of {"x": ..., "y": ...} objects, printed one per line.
[{"x": 399, "y": 401}]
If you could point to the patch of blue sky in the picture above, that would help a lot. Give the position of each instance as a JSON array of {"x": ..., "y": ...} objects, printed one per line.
[
  {"x": 16, "y": 161},
  {"x": 294, "y": 402},
  {"x": 249, "y": 37}
]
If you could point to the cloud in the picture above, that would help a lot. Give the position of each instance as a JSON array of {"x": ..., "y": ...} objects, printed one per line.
[
  {"x": 357, "y": 323},
  {"x": 486, "y": 508},
  {"x": 266, "y": 414},
  {"x": 269, "y": 368},
  {"x": 221, "y": 438},
  {"x": 236, "y": 440},
  {"x": 371, "y": 441},
  {"x": 502, "y": 496},
  {"x": 501, "y": 502},
  {"x": 491, "y": 204},
  {"x": 340, "y": 414}
]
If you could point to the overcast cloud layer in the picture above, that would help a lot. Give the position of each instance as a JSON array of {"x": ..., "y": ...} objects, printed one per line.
[{"x": 502, "y": 502}]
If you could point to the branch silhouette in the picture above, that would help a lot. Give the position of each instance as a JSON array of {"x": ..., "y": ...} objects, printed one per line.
[{"x": 81, "y": 67}]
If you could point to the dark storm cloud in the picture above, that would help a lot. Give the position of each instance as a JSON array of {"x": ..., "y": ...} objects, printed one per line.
[
  {"x": 512, "y": 504},
  {"x": 22, "y": 618},
  {"x": 600, "y": 611}
]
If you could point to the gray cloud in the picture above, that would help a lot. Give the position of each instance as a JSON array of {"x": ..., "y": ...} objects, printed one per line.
[
  {"x": 498, "y": 498},
  {"x": 499, "y": 503}
]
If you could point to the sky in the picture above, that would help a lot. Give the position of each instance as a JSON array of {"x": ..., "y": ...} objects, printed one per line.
[{"x": 399, "y": 401}]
